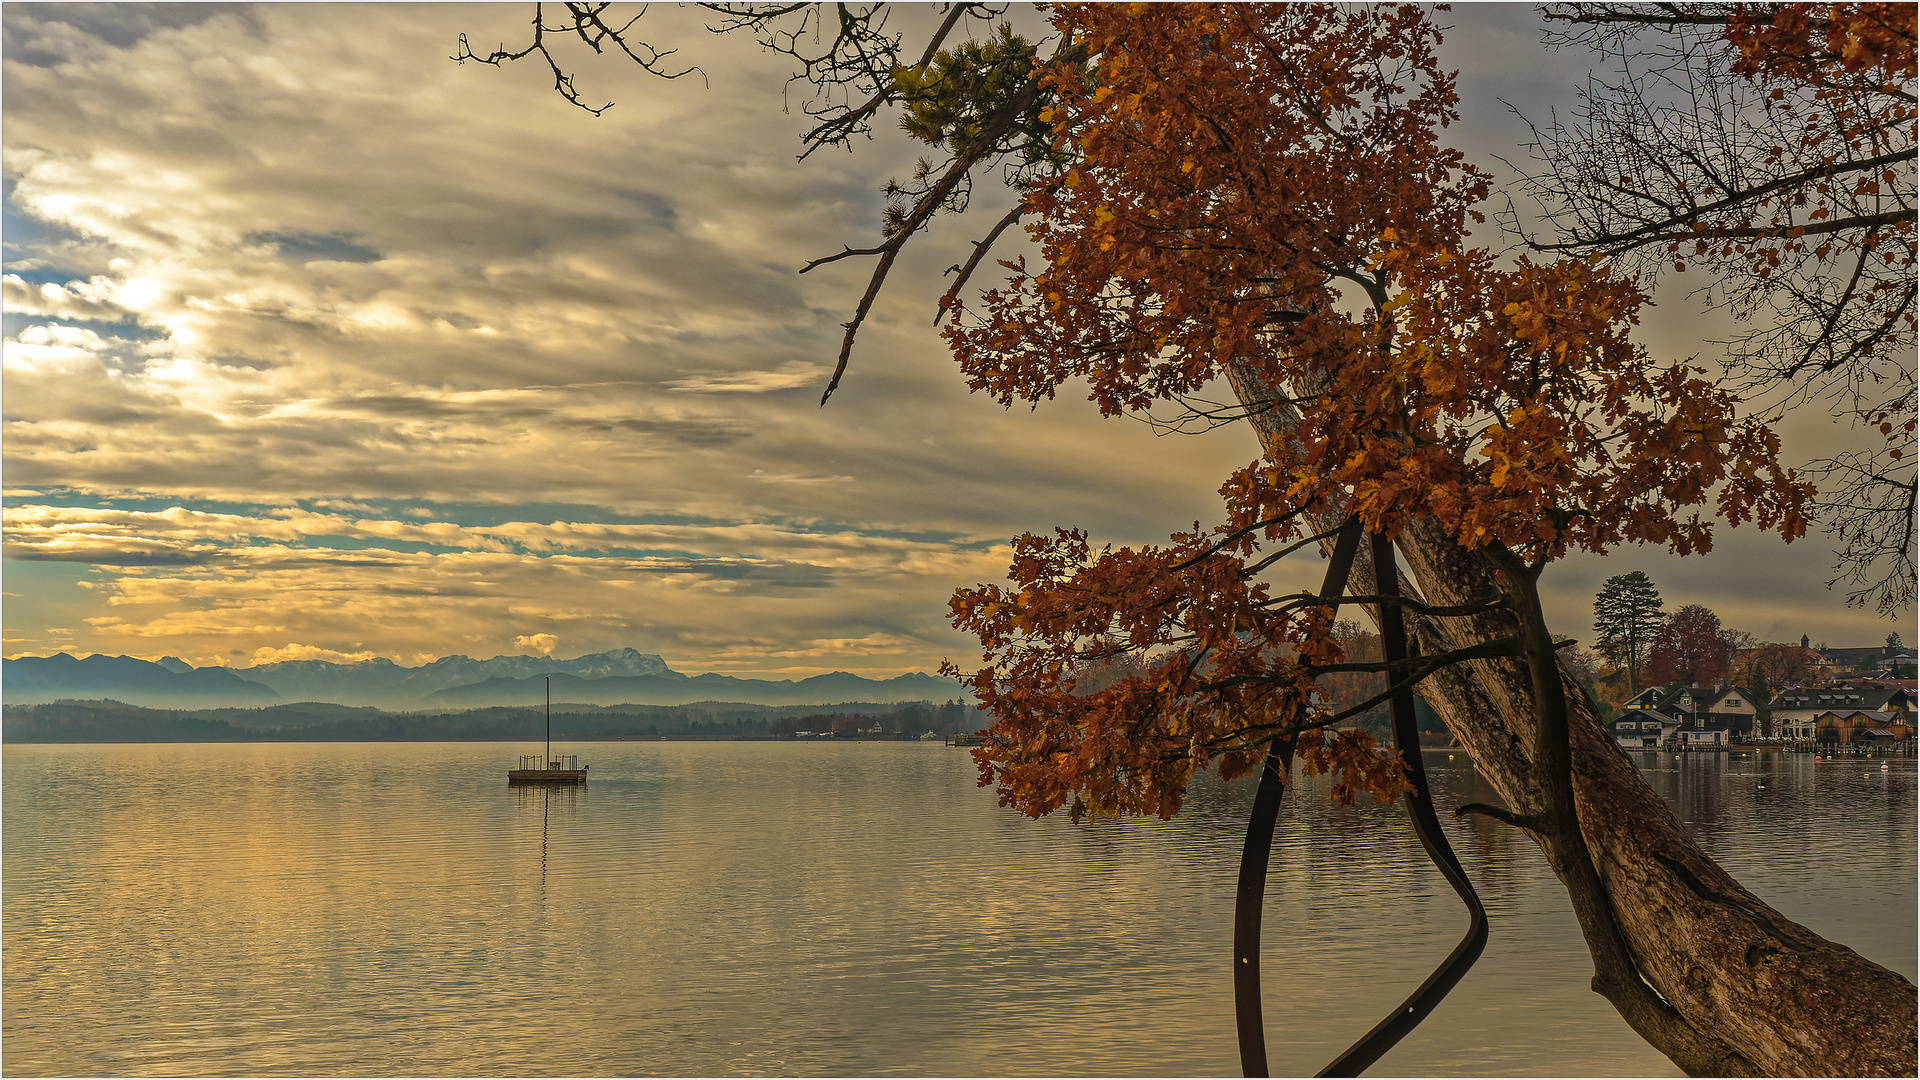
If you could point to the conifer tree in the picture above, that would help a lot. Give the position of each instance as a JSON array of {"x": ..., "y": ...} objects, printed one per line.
[{"x": 1626, "y": 613}]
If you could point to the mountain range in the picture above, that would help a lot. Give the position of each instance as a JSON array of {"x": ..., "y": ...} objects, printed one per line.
[{"x": 620, "y": 677}]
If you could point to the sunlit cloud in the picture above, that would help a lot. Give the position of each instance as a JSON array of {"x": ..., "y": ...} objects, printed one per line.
[
  {"x": 543, "y": 644},
  {"x": 792, "y": 374},
  {"x": 377, "y": 602},
  {"x": 798, "y": 478},
  {"x": 292, "y": 651},
  {"x": 72, "y": 300},
  {"x": 48, "y": 532},
  {"x": 276, "y": 584}
]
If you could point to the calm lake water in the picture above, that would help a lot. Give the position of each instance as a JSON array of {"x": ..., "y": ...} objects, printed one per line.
[{"x": 812, "y": 909}]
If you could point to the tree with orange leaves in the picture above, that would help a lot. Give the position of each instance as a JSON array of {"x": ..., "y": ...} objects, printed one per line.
[
  {"x": 1201, "y": 236},
  {"x": 1260, "y": 194}
]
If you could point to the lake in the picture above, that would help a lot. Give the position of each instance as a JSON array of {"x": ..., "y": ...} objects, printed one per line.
[{"x": 814, "y": 908}]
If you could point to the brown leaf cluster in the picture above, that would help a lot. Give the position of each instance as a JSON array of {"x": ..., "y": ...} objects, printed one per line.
[
  {"x": 1689, "y": 648},
  {"x": 1264, "y": 187}
]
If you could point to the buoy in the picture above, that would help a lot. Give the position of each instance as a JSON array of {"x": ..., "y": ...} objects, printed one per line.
[{"x": 1883, "y": 768}]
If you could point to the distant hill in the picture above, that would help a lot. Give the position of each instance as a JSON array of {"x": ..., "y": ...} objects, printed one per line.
[
  {"x": 677, "y": 689},
  {"x": 383, "y": 683},
  {"x": 619, "y": 677},
  {"x": 38, "y": 679},
  {"x": 109, "y": 721}
]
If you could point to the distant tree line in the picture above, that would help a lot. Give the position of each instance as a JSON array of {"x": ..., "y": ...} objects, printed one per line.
[
  {"x": 113, "y": 721},
  {"x": 1345, "y": 688},
  {"x": 905, "y": 721}
]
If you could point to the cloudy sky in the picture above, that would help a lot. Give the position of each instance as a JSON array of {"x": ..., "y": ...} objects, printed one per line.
[{"x": 321, "y": 345}]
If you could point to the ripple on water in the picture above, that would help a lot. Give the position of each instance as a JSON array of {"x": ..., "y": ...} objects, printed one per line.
[{"x": 810, "y": 909}]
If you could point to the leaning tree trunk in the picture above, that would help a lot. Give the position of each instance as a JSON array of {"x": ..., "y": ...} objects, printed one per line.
[{"x": 1737, "y": 988}]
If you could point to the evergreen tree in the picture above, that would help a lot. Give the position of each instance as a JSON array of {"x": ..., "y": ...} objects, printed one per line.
[{"x": 1626, "y": 612}]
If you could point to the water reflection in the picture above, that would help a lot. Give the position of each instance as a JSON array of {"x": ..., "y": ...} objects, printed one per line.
[
  {"x": 809, "y": 909},
  {"x": 546, "y": 796}
]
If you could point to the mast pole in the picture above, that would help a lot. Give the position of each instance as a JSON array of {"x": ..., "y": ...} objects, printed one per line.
[{"x": 549, "y": 681}]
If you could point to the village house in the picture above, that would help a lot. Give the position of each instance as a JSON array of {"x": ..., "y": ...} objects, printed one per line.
[
  {"x": 1861, "y": 727},
  {"x": 1650, "y": 698},
  {"x": 1796, "y": 710},
  {"x": 1673, "y": 704},
  {"x": 1698, "y": 715},
  {"x": 1849, "y": 707},
  {"x": 1877, "y": 682},
  {"x": 1845, "y": 660},
  {"x": 1638, "y": 729},
  {"x": 1728, "y": 709}
]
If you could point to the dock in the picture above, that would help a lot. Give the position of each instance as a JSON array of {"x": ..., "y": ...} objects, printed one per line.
[{"x": 540, "y": 769}]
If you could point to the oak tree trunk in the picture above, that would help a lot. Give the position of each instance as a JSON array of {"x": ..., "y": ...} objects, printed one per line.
[{"x": 1741, "y": 989}]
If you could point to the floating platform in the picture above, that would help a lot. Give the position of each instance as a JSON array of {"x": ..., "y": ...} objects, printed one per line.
[{"x": 535, "y": 769}]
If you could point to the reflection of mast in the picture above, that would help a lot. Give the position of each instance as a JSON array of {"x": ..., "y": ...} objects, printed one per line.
[{"x": 546, "y": 802}]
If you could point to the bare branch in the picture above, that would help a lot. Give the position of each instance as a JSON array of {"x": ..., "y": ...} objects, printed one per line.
[
  {"x": 950, "y": 300},
  {"x": 987, "y": 143}
]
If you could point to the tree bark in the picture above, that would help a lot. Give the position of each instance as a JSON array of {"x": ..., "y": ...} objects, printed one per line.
[{"x": 1740, "y": 988}]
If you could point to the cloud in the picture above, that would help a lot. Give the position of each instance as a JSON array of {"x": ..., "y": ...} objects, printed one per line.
[
  {"x": 306, "y": 249},
  {"x": 788, "y": 376},
  {"x": 798, "y": 478},
  {"x": 66, "y": 31},
  {"x": 296, "y": 651},
  {"x": 484, "y": 602},
  {"x": 73, "y": 300},
  {"x": 201, "y": 583},
  {"x": 272, "y": 310},
  {"x": 47, "y": 530},
  {"x": 555, "y": 370},
  {"x": 543, "y": 644}
]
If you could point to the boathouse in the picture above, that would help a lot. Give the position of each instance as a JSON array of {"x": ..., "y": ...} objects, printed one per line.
[{"x": 1862, "y": 727}]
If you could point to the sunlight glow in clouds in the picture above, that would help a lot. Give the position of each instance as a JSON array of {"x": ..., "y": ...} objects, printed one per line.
[
  {"x": 321, "y": 346},
  {"x": 208, "y": 585}
]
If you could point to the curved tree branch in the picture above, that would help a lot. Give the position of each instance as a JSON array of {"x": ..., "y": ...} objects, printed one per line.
[
  {"x": 1250, "y": 897},
  {"x": 1426, "y": 825}
]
